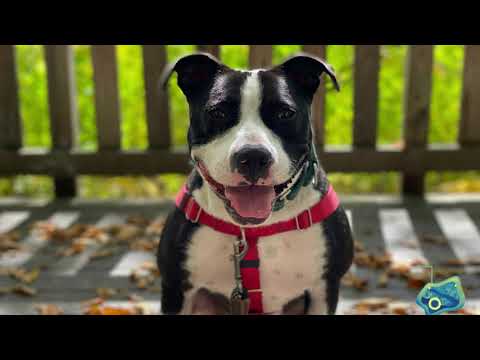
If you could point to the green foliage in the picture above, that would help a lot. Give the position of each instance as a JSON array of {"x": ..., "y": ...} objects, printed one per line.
[{"x": 445, "y": 111}]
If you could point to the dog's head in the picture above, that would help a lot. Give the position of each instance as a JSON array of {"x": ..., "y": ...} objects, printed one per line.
[{"x": 249, "y": 131}]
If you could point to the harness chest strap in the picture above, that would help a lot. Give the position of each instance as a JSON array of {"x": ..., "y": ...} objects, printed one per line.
[{"x": 251, "y": 262}]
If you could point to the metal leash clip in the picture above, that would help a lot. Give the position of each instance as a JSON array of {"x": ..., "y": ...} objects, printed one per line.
[{"x": 239, "y": 298}]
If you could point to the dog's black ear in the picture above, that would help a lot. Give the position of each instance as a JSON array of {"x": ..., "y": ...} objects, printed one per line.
[
  {"x": 305, "y": 71},
  {"x": 195, "y": 72}
]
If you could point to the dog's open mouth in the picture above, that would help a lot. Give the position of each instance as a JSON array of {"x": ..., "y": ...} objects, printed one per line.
[{"x": 249, "y": 203}]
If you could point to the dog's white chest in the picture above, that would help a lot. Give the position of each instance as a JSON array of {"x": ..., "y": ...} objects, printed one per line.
[{"x": 290, "y": 263}]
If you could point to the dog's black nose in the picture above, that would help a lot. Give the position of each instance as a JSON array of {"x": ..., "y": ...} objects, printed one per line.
[{"x": 252, "y": 161}]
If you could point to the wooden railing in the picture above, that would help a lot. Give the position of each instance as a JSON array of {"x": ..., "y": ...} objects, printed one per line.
[{"x": 63, "y": 161}]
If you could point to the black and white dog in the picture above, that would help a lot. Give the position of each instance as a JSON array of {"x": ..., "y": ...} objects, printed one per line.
[{"x": 250, "y": 139}]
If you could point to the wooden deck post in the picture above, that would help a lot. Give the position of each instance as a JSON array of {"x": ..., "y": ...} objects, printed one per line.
[
  {"x": 366, "y": 73},
  {"x": 318, "y": 104},
  {"x": 10, "y": 124},
  {"x": 418, "y": 89},
  {"x": 212, "y": 49},
  {"x": 157, "y": 101},
  {"x": 260, "y": 56},
  {"x": 469, "y": 134},
  {"x": 63, "y": 110}
]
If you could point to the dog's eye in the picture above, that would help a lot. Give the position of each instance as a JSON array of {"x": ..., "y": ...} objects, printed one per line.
[
  {"x": 285, "y": 114},
  {"x": 216, "y": 114}
]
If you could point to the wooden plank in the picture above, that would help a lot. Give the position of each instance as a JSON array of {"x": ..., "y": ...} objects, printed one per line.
[
  {"x": 130, "y": 261},
  {"x": 62, "y": 108},
  {"x": 61, "y": 95},
  {"x": 470, "y": 115},
  {"x": 418, "y": 90},
  {"x": 462, "y": 234},
  {"x": 33, "y": 243},
  {"x": 71, "y": 265},
  {"x": 153, "y": 162},
  {"x": 72, "y": 307},
  {"x": 107, "y": 101},
  {"x": 401, "y": 241},
  {"x": 10, "y": 124},
  {"x": 318, "y": 104},
  {"x": 9, "y": 220},
  {"x": 366, "y": 74},
  {"x": 260, "y": 56},
  {"x": 157, "y": 102},
  {"x": 212, "y": 49}
]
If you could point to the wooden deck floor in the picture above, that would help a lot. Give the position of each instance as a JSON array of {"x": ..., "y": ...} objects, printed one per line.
[{"x": 401, "y": 227}]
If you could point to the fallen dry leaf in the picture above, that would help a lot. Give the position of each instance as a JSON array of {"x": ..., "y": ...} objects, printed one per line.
[
  {"x": 142, "y": 309},
  {"x": 10, "y": 236},
  {"x": 106, "y": 293},
  {"x": 372, "y": 261},
  {"x": 138, "y": 220},
  {"x": 382, "y": 281},
  {"x": 143, "y": 244},
  {"x": 416, "y": 283},
  {"x": 24, "y": 290},
  {"x": 25, "y": 276},
  {"x": 9, "y": 241},
  {"x": 135, "y": 298},
  {"x": 401, "y": 308},
  {"x": 462, "y": 262},
  {"x": 352, "y": 280},
  {"x": 103, "y": 253},
  {"x": 434, "y": 239},
  {"x": 155, "y": 227},
  {"x": 109, "y": 310},
  {"x": 445, "y": 272},
  {"x": 358, "y": 246},
  {"x": 127, "y": 232},
  {"x": 382, "y": 306},
  {"x": 149, "y": 266},
  {"x": 92, "y": 302},
  {"x": 93, "y": 232},
  {"x": 49, "y": 309},
  {"x": 372, "y": 304}
]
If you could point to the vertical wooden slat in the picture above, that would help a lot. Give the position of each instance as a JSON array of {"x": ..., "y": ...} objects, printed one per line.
[
  {"x": 107, "y": 102},
  {"x": 157, "y": 103},
  {"x": 418, "y": 88},
  {"x": 212, "y": 49},
  {"x": 318, "y": 104},
  {"x": 61, "y": 95},
  {"x": 10, "y": 124},
  {"x": 366, "y": 73},
  {"x": 260, "y": 56},
  {"x": 470, "y": 119},
  {"x": 62, "y": 108}
]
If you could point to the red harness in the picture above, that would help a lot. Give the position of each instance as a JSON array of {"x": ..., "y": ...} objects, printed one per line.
[{"x": 250, "y": 263}]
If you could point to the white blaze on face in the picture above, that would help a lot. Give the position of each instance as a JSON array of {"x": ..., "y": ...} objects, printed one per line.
[{"x": 250, "y": 130}]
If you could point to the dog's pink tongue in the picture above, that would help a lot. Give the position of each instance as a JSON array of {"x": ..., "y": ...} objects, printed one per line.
[{"x": 251, "y": 201}]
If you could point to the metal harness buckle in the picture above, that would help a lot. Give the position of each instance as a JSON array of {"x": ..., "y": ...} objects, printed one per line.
[{"x": 309, "y": 218}]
